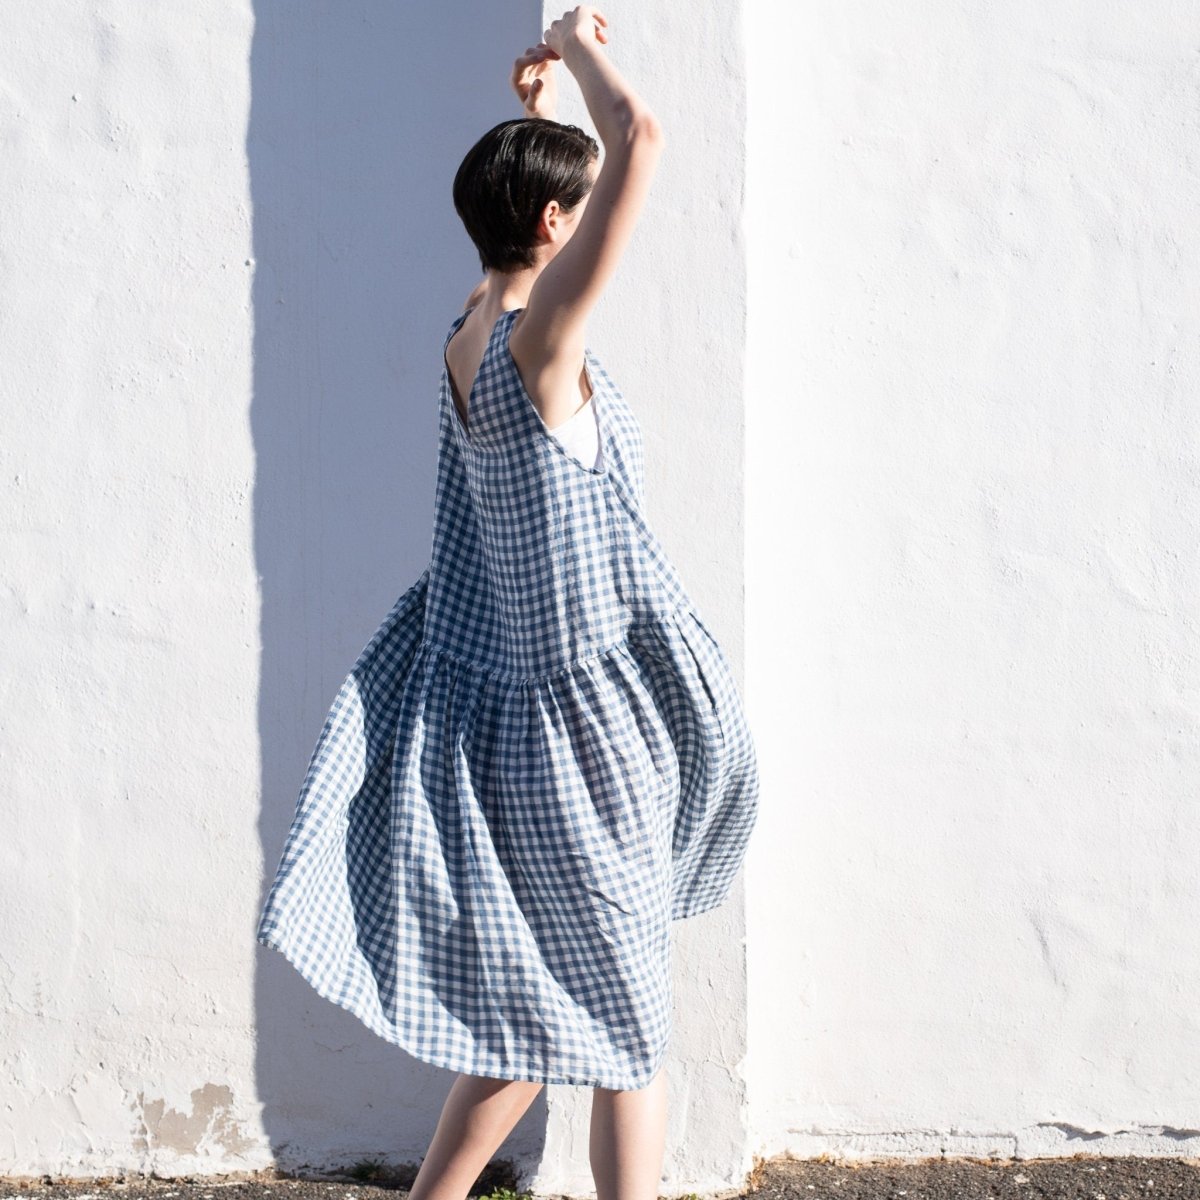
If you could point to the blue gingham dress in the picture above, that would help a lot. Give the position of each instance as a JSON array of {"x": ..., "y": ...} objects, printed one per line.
[{"x": 538, "y": 762}]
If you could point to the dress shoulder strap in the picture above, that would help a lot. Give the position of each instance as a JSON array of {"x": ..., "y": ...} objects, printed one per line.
[{"x": 455, "y": 327}]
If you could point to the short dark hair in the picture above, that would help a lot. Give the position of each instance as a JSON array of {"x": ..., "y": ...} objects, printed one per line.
[{"x": 510, "y": 175}]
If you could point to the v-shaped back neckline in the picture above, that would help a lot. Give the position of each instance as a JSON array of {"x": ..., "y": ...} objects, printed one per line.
[
  {"x": 487, "y": 346},
  {"x": 589, "y": 405}
]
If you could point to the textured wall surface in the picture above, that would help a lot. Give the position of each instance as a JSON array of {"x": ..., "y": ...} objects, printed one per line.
[
  {"x": 131, "y": 727},
  {"x": 972, "y": 586},
  {"x": 229, "y": 257}
]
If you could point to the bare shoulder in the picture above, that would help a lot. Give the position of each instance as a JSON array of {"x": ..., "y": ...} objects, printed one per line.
[{"x": 477, "y": 294}]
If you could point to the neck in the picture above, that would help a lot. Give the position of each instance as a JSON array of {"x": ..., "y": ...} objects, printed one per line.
[{"x": 503, "y": 291}]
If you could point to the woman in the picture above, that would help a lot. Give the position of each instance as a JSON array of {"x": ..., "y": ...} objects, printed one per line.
[{"x": 540, "y": 759}]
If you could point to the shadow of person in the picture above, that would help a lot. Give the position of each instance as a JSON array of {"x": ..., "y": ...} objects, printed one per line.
[{"x": 358, "y": 119}]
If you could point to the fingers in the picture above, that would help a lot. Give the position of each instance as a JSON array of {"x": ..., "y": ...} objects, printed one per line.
[
  {"x": 532, "y": 59},
  {"x": 539, "y": 53}
]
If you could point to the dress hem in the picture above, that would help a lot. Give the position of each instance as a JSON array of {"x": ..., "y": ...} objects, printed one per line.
[{"x": 463, "y": 1065}]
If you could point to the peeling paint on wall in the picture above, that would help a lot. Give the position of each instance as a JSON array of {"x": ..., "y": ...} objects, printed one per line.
[{"x": 210, "y": 1128}]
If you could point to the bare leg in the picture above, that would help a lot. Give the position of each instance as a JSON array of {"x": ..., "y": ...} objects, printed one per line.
[
  {"x": 479, "y": 1113},
  {"x": 628, "y": 1138}
]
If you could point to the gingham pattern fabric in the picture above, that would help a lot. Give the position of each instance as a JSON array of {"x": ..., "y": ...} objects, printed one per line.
[{"x": 539, "y": 760}]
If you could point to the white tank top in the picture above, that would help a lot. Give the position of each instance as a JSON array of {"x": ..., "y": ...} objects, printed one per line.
[{"x": 579, "y": 435}]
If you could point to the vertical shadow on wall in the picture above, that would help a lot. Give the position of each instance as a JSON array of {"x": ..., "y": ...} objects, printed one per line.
[{"x": 359, "y": 117}]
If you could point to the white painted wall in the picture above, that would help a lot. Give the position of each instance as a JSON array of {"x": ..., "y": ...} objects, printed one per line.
[
  {"x": 973, "y": 519},
  {"x": 971, "y": 569},
  {"x": 131, "y": 731},
  {"x": 230, "y": 254}
]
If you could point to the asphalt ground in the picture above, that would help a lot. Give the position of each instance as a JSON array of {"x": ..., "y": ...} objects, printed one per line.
[{"x": 1081, "y": 1177}]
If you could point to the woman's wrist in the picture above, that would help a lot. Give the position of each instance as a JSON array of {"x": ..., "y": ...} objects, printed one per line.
[{"x": 581, "y": 42}]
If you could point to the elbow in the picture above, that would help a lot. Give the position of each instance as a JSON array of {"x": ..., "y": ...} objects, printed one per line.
[
  {"x": 637, "y": 124},
  {"x": 645, "y": 127}
]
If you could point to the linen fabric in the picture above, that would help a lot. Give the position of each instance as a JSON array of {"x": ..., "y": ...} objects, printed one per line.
[{"x": 537, "y": 763}]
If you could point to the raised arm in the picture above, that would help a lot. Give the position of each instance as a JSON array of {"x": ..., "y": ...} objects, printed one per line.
[{"x": 550, "y": 335}]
